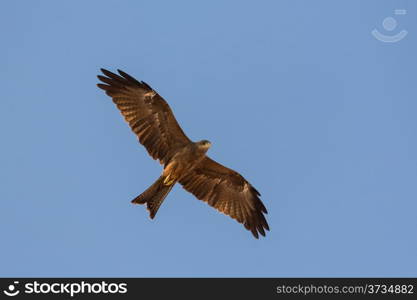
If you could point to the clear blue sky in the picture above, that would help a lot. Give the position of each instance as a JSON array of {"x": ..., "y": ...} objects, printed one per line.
[{"x": 298, "y": 96}]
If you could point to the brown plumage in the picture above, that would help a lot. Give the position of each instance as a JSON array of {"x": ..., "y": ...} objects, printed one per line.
[{"x": 186, "y": 162}]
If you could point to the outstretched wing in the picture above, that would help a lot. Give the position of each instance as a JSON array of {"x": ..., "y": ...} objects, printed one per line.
[
  {"x": 148, "y": 114},
  {"x": 228, "y": 192}
]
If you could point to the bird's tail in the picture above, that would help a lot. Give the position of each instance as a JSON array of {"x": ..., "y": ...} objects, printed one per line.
[{"x": 154, "y": 195}]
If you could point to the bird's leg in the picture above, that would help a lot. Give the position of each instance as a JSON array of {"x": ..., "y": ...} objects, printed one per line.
[
  {"x": 170, "y": 173},
  {"x": 169, "y": 180}
]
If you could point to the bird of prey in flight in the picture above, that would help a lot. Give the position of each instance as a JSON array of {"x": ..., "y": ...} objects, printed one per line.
[{"x": 184, "y": 161}]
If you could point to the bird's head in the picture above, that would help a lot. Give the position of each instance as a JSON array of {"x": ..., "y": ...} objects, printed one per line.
[{"x": 204, "y": 144}]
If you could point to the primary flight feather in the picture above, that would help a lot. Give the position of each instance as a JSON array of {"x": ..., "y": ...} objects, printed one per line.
[{"x": 184, "y": 161}]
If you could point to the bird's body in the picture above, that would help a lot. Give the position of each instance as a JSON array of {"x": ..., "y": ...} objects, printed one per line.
[{"x": 184, "y": 161}]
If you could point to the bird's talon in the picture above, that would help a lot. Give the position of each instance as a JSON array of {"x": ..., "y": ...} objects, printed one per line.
[{"x": 168, "y": 180}]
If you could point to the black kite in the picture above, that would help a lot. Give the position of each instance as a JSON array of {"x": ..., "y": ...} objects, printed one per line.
[{"x": 184, "y": 161}]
